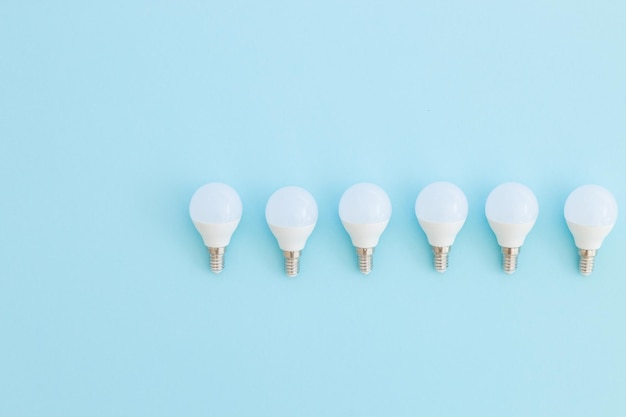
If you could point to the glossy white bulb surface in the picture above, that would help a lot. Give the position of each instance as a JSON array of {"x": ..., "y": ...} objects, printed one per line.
[
  {"x": 365, "y": 210},
  {"x": 215, "y": 211},
  {"x": 590, "y": 212},
  {"x": 511, "y": 211},
  {"x": 441, "y": 210},
  {"x": 291, "y": 213}
]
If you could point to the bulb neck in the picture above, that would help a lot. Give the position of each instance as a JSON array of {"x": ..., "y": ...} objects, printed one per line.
[
  {"x": 509, "y": 259},
  {"x": 216, "y": 235},
  {"x": 217, "y": 259},
  {"x": 510, "y": 235},
  {"x": 366, "y": 259},
  {"x": 292, "y": 239},
  {"x": 365, "y": 235},
  {"x": 441, "y": 258},
  {"x": 589, "y": 237},
  {"x": 586, "y": 260},
  {"x": 292, "y": 262},
  {"x": 441, "y": 234}
]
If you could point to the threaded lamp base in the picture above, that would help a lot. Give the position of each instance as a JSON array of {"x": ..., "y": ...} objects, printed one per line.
[
  {"x": 509, "y": 259},
  {"x": 441, "y": 258},
  {"x": 217, "y": 259},
  {"x": 366, "y": 259},
  {"x": 292, "y": 262},
  {"x": 586, "y": 261}
]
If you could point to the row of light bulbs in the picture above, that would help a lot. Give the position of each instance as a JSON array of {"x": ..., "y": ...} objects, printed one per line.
[{"x": 365, "y": 209}]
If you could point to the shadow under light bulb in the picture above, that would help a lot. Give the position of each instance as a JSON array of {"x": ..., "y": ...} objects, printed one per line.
[
  {"x": 291, "y": 214},
  {"x": 590, "y": 212},
  {"x": 215, "y": 211},
  {"x": 441, "y": 210},
  {"x": 365, "y": 210},
  {"x": 511, "y": 210}
]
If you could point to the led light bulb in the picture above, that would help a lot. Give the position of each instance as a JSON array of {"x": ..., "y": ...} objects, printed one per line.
[
  {"x": 291, "y": 214},
  {"x": 590, "y": 212},
  {"x": 365, "y": 210},
  {"x": 511, "y": 210},
  {"x": 441, "y": 210},
  {"x": 215, "y": 210}
]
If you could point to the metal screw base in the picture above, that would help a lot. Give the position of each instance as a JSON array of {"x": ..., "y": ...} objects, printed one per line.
[
  {"x": 366, "y": 261},
  {"x": 509, "y": 259},
  {"x": 217, "y": 259},
  {"x": 587, "y": 258},
  {"x": 292, "y": 262},
  {"x": 441, "y": 258}
]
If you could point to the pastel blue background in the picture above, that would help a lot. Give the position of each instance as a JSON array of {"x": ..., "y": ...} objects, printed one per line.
[{"x": 113, "y": 113}]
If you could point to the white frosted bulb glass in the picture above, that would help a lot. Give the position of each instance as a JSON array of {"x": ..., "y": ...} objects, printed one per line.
[
  {"x": 511, "y": 210},
  {"x": 215, "y": 210},
  {"x": 365, "y": 210},
  {"x": 291, "y": 213},
  {"x": 590, "y": 212},
  {"x": 441, "y": 209}
]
